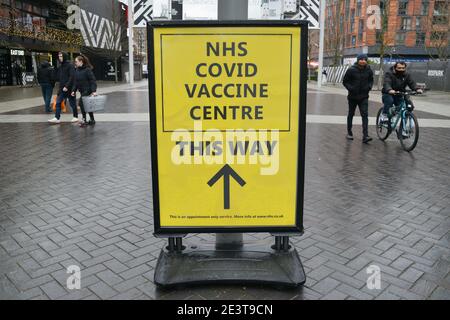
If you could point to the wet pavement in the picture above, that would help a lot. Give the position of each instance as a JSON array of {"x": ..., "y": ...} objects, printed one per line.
[{"x": 82, "y": 196}]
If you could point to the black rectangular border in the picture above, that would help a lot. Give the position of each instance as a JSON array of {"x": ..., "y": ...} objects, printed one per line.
[
  {"x": 220, "y": 34},
  {"x": 303, "y": 25}
]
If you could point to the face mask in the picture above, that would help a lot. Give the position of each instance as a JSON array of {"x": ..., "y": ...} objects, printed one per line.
[{"x": 399, "y": 72}]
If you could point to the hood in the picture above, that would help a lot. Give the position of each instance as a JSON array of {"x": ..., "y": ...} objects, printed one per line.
[{"x": 65, "y": 57}]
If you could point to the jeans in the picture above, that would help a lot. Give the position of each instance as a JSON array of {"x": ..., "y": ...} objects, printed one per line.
[
  {"x": 83, "y": 112},
  {"x": 72, "y": 101},
  {"x": 363, "y": 105},
  {"x": 47, "y": 91},
  {"x": 389, "y": 101}
]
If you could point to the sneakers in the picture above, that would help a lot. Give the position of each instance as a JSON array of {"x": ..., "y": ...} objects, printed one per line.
[
  {"x": 367, "y": 139},
  {"x": 349, "y": 136},
  {"x": 384, "y": 118},
  {"x": 54, "y": 121},
  {"x": 84, "y": 123},
  {"x": 74, "y": 120}
]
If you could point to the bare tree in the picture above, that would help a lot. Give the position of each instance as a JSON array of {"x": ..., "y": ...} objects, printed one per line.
[
  {"x": 438, "y": 45},
  {"x": 382, "y": 37},
  {"x": 313, "y": 39},
  {"x": 334, "y": 40}
]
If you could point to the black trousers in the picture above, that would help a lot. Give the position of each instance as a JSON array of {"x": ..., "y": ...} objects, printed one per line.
[
  {"x": 363, "y": 105},
  {"x": 83, "y": 112}
]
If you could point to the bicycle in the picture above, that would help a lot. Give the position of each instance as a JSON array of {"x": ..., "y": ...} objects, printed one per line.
[{"x": 408, "y": 131}]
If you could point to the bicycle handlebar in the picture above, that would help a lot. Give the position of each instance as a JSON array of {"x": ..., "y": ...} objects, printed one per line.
[{"x": 406, "y": 93}]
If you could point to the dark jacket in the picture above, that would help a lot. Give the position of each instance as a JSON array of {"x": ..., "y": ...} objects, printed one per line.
[
  {"x": 358, "y": 81},
  {"x": 45, "y": 74},
  {"x": 393, "y": 81},
  {"x": 17, "y": 68},
  {"x": 85, "y": 81},
  {"x": 65, "y": 74}
]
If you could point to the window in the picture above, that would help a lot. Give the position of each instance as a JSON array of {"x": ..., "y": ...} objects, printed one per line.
[
  {"x": 378, "y": 36},
  {"x": 360, "y": 30},
  {"x": 440, "y": 8},
  {"x": 18, "y": 4},
  {"x": 405, "y": 24},
  {"x": 37, "y": 10},
  {"x": 45, "y": 12},
  {"x": 440, "y": 19},
  {"x": 403, "y": 7},
  {"x": 420, "y": 38},
  {"x": 400, "y": 38},
  {"x": 439, "y": 36},
  {"x": 27, "y": 7},
  {"x": 424, "y": 8},
  {"x": 7, "y": 2},
  {"x": 440, "y": 12},
  {"x": 4, "y": 13},
  {"x": 418, "y": 23},
  {"x": 347, "y": 8},
  {"x": 353, "y": 41},
  {"x": 358, "y": 9}
]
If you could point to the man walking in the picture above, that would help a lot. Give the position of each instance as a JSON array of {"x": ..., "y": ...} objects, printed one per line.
[
  {"x": 17, "y": 73},
  {"x": 65, "y": 75},
  {"x": 358, "y": 80},
  {"x": 45, "y": 77}
]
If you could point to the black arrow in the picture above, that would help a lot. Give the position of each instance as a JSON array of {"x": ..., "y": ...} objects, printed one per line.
[{"x": 226, "y": 172}]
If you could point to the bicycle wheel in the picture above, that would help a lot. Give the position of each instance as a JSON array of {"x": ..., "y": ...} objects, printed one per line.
[
  {"x": 383, "y": 128},
  {"x": 409, "y": 132}
]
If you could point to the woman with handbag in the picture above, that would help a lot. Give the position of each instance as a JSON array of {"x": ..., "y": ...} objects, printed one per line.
[{"x": 86, "y": 84}]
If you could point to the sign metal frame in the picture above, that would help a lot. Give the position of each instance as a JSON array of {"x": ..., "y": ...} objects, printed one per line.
[{"x": 174, "y": 231}]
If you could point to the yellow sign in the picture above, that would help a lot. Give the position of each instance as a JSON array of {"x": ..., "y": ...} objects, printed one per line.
[{"x": 226, "y": 114}]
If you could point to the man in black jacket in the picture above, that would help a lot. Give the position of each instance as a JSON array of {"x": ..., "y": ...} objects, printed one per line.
[
  {"x": 358, "y": 80},
  {"x": 396, "y": 80},
  {"x": 17, "y": 68},
  {"x": 45, "y": 77},
  {"x": 65, "y": 75}
]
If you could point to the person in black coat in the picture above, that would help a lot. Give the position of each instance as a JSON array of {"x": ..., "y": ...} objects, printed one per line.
[
  {"x": 17, "y": 68},
  {"x": 65, "y": 75},
  {"x": 86, "y": 84},
  {"x": 45, "y": 77},
  {"x": 396, "y": 80},
  {"x": 358, "y": 80}
]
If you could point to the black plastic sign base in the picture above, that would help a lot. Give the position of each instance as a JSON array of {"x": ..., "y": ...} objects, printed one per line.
[{"x": 248, "y": 265}]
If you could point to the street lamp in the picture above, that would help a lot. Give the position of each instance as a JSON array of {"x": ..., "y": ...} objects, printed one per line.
[{"x": 130, "y": 41}]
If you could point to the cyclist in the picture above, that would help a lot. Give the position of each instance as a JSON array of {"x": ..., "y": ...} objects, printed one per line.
[{"x": 395, "y": 80}]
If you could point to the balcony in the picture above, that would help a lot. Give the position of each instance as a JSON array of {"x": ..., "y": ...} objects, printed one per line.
[{"x": 12, "y": 27}]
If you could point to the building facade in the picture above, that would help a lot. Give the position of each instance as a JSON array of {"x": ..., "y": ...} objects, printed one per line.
[
  {"x": 33, "y": 31},
  {"x": 410, "y": 30}
]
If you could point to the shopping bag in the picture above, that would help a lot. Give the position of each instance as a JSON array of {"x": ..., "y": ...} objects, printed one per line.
[
  {"x": 94, "y": 103},
  {"x": 63, "y": 105}
]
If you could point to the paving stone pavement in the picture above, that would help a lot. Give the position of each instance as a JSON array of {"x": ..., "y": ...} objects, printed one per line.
[{"x": 72, "y": 196}]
